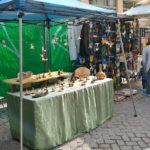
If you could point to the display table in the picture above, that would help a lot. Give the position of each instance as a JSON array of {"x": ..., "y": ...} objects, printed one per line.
[
  {"x": 60, "y": 116},
  {"x": 36, "y": 79}
]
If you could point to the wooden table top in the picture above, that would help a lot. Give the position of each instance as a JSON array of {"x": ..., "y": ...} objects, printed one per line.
[{"x": 37, "y": 78}]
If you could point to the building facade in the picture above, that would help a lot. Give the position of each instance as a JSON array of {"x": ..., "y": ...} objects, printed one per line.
[{"x": 119, "y": 5}]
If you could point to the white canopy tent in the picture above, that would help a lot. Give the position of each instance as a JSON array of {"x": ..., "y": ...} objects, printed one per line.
[
  {"x": 143, "y": 2},
  {"x": 142, "y": 13},
  {"x": 143, "y": 10}
]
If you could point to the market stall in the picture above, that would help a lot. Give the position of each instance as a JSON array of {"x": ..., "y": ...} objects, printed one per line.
[
  {"x": 49, "y": 10},
  {"x": 142, "y": 13},
  {"x": 62, "y": 114}
]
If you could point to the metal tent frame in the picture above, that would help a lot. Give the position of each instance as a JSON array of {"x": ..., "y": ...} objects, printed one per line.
[{"x": 43, "y": 10}]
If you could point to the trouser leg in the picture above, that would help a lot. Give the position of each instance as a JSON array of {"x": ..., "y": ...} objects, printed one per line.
[
  {"x": 148, "y": 82},
  {"x": 144, "y": 84}
]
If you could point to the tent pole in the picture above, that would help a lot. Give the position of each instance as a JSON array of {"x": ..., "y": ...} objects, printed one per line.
[
  {"x": 48, "y": 45},
  {"x": 21, "y": 80},
  {"x": 140, "y": 41},
  {"x": 47, "y": 40},
  {"x": 127, "y": 71}
]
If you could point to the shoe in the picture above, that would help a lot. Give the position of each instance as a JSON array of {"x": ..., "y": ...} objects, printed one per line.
[
  {"x": 145, "y": 94},
  {"x": 144, "y": 90},
  {"x": 148, "y": 95}
]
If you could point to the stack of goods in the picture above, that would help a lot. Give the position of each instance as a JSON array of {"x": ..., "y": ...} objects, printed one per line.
[
  {"x": 25, "y": 75},
  {"x": 130, "y": 41},
  {"x": 81, "y": 78},
  {"x": 100, "y": 44},
  {"x": 122, "y": 94}
]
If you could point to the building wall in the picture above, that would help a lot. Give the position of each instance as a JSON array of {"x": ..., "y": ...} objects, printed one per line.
[
  {"x": 114, "y": 4},
  {"x": 119, "y": 6},
  {"x": 85, "y": 1}
]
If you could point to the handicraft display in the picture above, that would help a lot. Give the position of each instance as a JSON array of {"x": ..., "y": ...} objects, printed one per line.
[{"x": 100, "y": 45}]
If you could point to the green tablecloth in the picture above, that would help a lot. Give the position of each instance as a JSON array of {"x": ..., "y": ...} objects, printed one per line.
[{"x": 51, "y": 120}]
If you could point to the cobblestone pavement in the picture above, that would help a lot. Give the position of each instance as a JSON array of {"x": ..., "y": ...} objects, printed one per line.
[{"x": 122, "y": 132}]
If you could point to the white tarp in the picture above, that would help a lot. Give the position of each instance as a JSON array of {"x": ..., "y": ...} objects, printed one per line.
[
  {"x": 142, "y": 2},
  {"x": 144, "y": 22},
  {"x": 138, "y": 11},
  {"x": 74, "y": 41}
]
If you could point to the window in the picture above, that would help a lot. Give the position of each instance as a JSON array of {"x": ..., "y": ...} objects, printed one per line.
[{"x": 111, "y": 3}]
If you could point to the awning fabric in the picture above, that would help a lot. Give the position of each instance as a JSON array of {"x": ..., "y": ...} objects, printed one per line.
[
  {"x": 48, "y": 9},
  {"x": 138, "y": 11}
]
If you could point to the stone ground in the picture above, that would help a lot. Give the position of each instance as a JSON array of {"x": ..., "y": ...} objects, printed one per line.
[{"x": 122, "y": 132}]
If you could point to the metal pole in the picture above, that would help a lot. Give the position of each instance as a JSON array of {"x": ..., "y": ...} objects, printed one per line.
[
  {"x": 47, "y": 41},
  {"x": 140, "y": 41},
  {"x": 21, "y": 80},
  {"x": 127, "y": 71}
]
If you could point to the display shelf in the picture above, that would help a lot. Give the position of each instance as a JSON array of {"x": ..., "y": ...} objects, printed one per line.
[{"x": 37, "y": 78}]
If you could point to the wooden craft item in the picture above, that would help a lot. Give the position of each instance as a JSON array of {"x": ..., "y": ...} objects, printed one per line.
[
  {"x": 100, "y": 75},
  {"x": 71, "y": 84},
  {"x": 27, "y": 92},
  {"x": 82, "y": 72},
  {"x": 103, "y": 41},
  {"x": 33, "y": 91},
  {"x": 49, "y": 73},
  {"x": 93, "y": 80},
  {"x": 53, "y": 89},
  {"x": 25, "y": 75}
]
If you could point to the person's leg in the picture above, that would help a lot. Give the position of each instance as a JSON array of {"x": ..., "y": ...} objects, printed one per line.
[
  {"x": 148, "y": 82},
  {"x": 143, "y": 84}
]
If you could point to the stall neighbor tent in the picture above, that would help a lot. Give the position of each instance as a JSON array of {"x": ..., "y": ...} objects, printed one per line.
[
  {"x": 143, "y": 10},
  {"x": 43, "y": 10},
  {"x": 136, "y": 12}
]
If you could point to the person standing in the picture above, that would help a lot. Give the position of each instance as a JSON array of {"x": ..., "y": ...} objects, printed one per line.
[
  {"x": 142, "y": 75},
  {"x": 146, "y": 64}
]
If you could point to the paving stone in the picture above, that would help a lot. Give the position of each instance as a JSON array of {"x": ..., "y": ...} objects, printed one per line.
[
  {"x": 137, "y": 148},
  {"x": 126, "y": 147},
  {"x": 136, "y": 139},
  {"x": 142, "y": 144},
  {"x": 104, "y": 146},
  {"x": 148, "y": 134},
  {"x": 146, "y": 140},
  {"x": 106, "y": 137},
  {"x": 131, "y": 143},
  {"x": 115, "y": 137},
  {"x": 100, "y": 141},
  {"x": 131, "y": 135},
  {"x": 93, "y": 145},
  {"x": 115, "y": 147},
  {"x": 97, "y": 149},
  {"x": 79, "y": 139},
  {"x": 85, "y": 145},
  {"x": 120, "y": 142},
  {"x": 73, "y": 143},
  {"x": 79, "y": 148},
  {"x": 109, "y": 141},
  {"x": 86, "y": 148},
  {"x": 140, "y": 135},
  {"x": 126, "y": 138}
]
